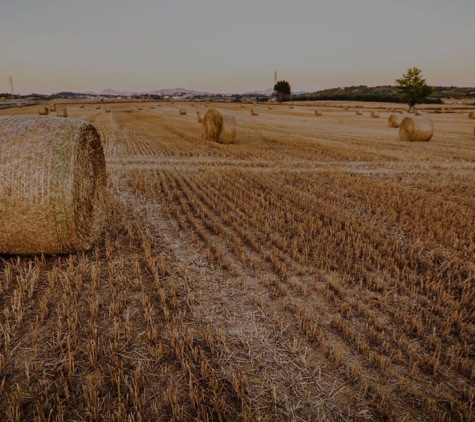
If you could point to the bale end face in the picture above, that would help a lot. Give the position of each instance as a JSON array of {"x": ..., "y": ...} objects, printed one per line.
[
  {"x": 416, "y": 129},
  {"x": 43, "y": 111},
  {"x": 52, "y": 185},
  {"x": 182, "y": 112}
]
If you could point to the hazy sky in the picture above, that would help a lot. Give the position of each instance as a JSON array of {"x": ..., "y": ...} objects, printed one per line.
[{"x": 232, "y": 46}]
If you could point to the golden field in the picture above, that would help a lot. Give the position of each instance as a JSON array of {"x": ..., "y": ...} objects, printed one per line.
[{"x": 318, "y": 269}]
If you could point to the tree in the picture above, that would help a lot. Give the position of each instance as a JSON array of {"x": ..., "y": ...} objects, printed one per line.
[
  {"x": 412, "y": 87},
  {"x": 282, "y": 90}
]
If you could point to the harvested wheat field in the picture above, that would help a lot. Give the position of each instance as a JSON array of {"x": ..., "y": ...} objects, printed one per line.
[{"x": 313, "y": 270}]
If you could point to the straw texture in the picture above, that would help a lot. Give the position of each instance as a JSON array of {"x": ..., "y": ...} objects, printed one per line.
[
  {"x": 416, "y": 129},
  {"x": 219, "y": 127},
  {"x": 52, "y": 185}
]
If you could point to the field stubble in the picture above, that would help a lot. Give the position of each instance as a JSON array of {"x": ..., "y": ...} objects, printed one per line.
[{"x": 318, "y": 269}]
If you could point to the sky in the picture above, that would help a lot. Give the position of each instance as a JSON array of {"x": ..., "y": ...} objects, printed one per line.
[{"x": 234, "y": 46}]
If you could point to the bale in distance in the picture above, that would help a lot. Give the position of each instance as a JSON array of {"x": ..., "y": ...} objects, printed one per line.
[
  {"x": 374, "y": 114},
  {"x": 416, "y": 129},
  {"x": 62, "y": 112},
  {"x": 218, "y": 127},
  {"x": 199, "y": 117},
  {"x": 394, "y": 120},
  {"x": 192, "y": 104},
  {"x": 318, "y": 113},
  {"x": 359, "y": 113},
  {"x": 19, "y": 105},
  {"x": 152, "y": 107},
  {"x": 291, "y": 107},
  {"x": 471, "y": 115},
  {"x": 269, "y": 107},
  {"x": 254, "y": 112},
  {"x": 52, "y": 185},
  {"x": 52, "y": 108},
  {"x": 128, "y": 110},
  {"x": 242, "y": 105},
  {"x": 254, "y": 103},
  {"x": 81, "y": 106},
  {"x": 182, "y": 111},
  {"x": 107, "y": 110},
  {"x": 140, "y": 108},
  {"x": 43, "y": 111},
  {"x": 98, "y": 107}
]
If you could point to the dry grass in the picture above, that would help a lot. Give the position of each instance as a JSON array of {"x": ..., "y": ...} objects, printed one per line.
[{"x": 316, "y": 269}]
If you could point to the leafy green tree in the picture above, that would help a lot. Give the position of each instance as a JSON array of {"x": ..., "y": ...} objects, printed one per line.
[
  {"x": 282, "y": 90},
  {"x": 412, "y": 87}
]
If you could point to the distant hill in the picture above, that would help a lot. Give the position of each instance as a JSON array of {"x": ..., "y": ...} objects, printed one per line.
[
  {"x": 161, "y": 92},
  {"x": 384, "y": 93}
]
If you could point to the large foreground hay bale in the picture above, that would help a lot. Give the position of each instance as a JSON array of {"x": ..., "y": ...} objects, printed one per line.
[
  {"x": 374, "y": 114},
  {"x": 63, "y": 112},
  {"x": 182, "y": 111},
  {"x": 394, "y": 120},
  {"x": 318, "y": 113},
  {"x": 416, "y": 129},
  {"x": 471, "y": 115},
  {"x": 52, "y": 185},
  {"x": 43, "y": 111},
  {"x": 219, "y": 127}
]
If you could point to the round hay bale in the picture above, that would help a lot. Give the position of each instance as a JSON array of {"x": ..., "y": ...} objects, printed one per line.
[
  {"x": 219, "y": 127},
  {"x": 98, "y": 107},
  {"x": 374, "y": 114},
  {"x": 291, "y": 107},
  {"x": 269, "y": 107},
  {"x": 182, "y": 111},
  {"x": 139, "y": 108},
  {"x": 152, "y": 107},
  {"x": 199, "y": 116},
  {"x": 62, "y": 112},
  {"x": 318, "y": 113},
  {"x": 52, "y": 185},
  {"x": 347, "y": 108},
  {"x": 254, "y": 103},
  {"x": 43, "y": 111},
  {"x": 254, "y": 112},
  {"x": 471, "y": 115},
  {"x": 192, "y": 104},
  {"x": 242, "y": 105},
  {"x": 52, "y": 108},
  {"x": 394, "y": 120},
  {"x": 107, "y": 110},
  {"x": 416, "y": 129},
  {"x": 359, "y": 113},
  {"x": 19, "y": 105},
  {"x": 128, "y": 110},
  {"x": 81, "y": 106}
]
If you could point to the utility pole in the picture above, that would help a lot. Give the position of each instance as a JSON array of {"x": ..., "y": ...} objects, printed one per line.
[
  {"x": 11, "y": 85},
  {"x": 275, "y": 77}
]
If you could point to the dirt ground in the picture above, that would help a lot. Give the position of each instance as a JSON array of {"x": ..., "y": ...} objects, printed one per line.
[{"x": 318, "y": 269}]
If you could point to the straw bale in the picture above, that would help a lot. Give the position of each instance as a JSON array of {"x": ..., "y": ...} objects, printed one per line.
[
  {"x": 81, "y": 106},
  {"x": 52, "y": 108},
  {"x": 98, "y": 107},
  {"x": 254, "y": 112},
  {"x": 254, "y": 103},
  {"x": 19, "y": 105},
  {"x": 269, "y": 107},
  {"x": 182, "y": 111},
  {"x": 242, "y": 105},
  {"x": 318, "y": 113},
  {"x": 43, "y": 111},
  {"x": 471, "y": 115},
  {"x": 152, "y": 107},
  {"x": 128, "y": 110},
  {"x": 416, "y": 129},
  {"x": 419, "y": 113},
  {"x": 219, "y": 127},
  {"x": 52, "y": 185},
  {"x": 359, "y": 113},
  {"x": 394, "y": 120},
  {"x": 199, "y": 116},
  {"x": 62, "y": 112},
  {"x": 374, "y": 114},
  {"x": 291, "y": 106},
  {"x": 192, "y": 104},
  {"x": 107, "y": 110}
]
